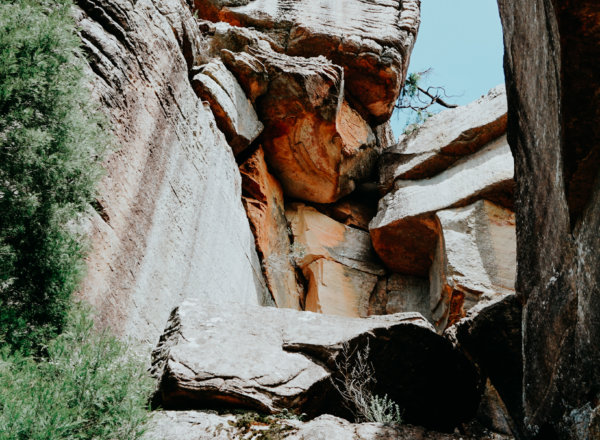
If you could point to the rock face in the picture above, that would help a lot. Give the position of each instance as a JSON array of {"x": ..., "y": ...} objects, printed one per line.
[
  {"x": 374, "y": 57},
  {"x": 404, "y": 232},
  {"x": 171, "y": 224},
  {"x": 177, "y": 425},
  {"x": 554, "y": 107},
  {"x": 263, "y": 200},
  {"x": 270, "y": 359},
  {"x": 475, "y": 259},
  {"x": 338, "y": 262}
]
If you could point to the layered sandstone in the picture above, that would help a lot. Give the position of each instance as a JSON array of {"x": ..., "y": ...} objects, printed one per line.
[
  {"x": 405, "y": 230},
  {"x": 264, "y": 203},
  {"x": 445, "y": 138},
  {"x": 374, "y": 57},
  {"x": 338, "y": 262}
]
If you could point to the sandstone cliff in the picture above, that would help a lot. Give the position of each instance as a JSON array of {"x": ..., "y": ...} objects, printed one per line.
[{"x": 256, "y": 167}]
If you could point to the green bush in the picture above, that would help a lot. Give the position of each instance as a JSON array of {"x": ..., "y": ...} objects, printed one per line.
[
  {"x": 384, "y": 410},
  {"x": 87, "y": 387},
  {"x": 51, "y": 144}
]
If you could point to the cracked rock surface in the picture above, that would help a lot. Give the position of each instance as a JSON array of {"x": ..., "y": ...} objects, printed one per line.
[{"x": 269, "y": 359}]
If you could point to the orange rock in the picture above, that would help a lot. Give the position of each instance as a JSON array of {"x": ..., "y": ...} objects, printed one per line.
[
  {"x": 336, "y": 289},
  {"x": 338, "y": 262},
  {"x": 263, "y": 200},
  {"x": 374, "y": 57}
]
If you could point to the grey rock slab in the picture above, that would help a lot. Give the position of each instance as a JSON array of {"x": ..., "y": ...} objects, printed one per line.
[
  {"x": 271, "y": 359},
  {"x": 231, "y": 107},
  {"x": 475, "y": 259},
  {"x": 444, "y": 138}
]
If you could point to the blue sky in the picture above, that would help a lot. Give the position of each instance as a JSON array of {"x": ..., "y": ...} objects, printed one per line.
[{"x": 461, "y": 40}]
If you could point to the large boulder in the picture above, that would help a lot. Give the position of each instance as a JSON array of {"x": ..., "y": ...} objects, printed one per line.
[
  {"x": 374, "y": 58},
  {"x": 169, "y": 223},
  {"x": 263, "y": 200},
  {"x": 405, "y": 231},
  {"x": 554, "y": 108},
  {"x": 272, "y": 359},
  {"x": 445, "y": 138},
  {"x": 316, "y": 144}
]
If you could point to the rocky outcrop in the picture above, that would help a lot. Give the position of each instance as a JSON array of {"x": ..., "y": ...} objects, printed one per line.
[
  {"x": 269, "y": 359},
  {"x": 176, "y": 425},
  {"x": 554, "y": 107},
  {"x": 444, "y": 138},
  {"x": 170, "y": 222},
  {"x": 404, "y": 232},
  {"x": 316, "y": 144},
  {"x": 374, "y": 57},
  {"x": 338, "y": 262},
  {"x": 263, "y": 200}
]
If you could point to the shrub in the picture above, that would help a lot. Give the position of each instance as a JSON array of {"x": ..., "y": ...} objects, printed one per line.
[
  {"x": 355, "y": 385},
  {"x": 87, "y": 387},
  {"x": 51, "y": 145}
]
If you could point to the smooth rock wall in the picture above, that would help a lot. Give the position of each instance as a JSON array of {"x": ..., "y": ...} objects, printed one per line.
[{"x": 170, "y": 221}]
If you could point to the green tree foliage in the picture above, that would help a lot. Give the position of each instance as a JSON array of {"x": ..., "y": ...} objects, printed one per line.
[
  {"x": 88, "y": 386},
  {"x": 51, "y": 144}
]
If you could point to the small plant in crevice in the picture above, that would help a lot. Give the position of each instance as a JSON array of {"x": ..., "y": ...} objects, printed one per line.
[{"x": 355, "y": 385}]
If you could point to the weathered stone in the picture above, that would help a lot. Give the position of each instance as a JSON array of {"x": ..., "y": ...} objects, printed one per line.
[
  {"x": 554, "y": 108},
  {"x": 263, "y": 200},
  {"x": 172, "y": 224},
  {"x": 475, "y": 259},
  {"x": 407, "y": 293},
  {"x": 201, "y": 425},
  {"x": 491, "y": 336},
  {"x": 405, "y": 230},
  {"x": 250, "y": 72},
  {"x": 269, "y": 359},
  {"x": 317, "y": 236},
  {"x": 445, "y": 138},
  {"x": 374, "y": 58},
  {"x": 336, "y": 289},
  {"x": 316, "y": 144},
  {"x": 233, "y": 111},
  {"x": 337, "y": 261}
]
